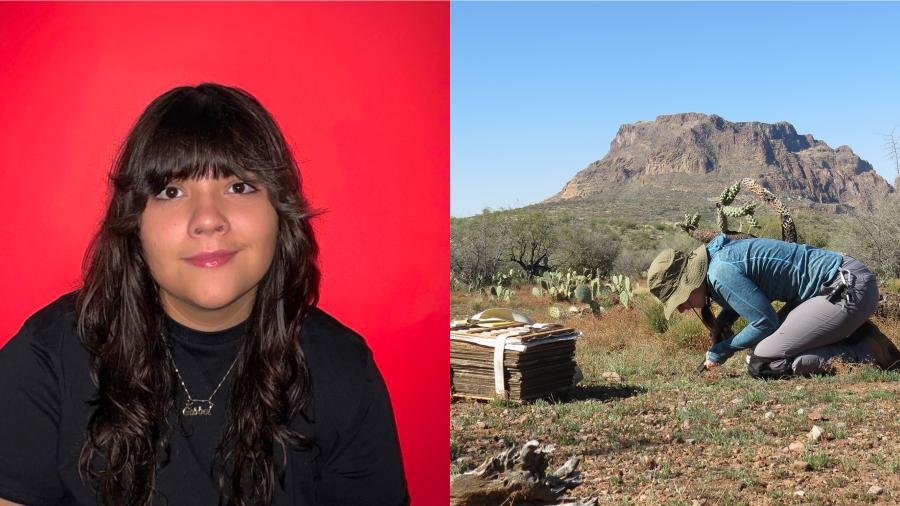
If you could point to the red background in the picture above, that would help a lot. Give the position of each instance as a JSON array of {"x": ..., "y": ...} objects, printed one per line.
[{"x": 361, "y": 92}]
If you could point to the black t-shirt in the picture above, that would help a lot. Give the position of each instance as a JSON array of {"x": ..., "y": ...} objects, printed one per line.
[{"x": 45, "y": 387}]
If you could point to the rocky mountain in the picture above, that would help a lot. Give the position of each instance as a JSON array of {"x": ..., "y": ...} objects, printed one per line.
[{"x": 696, "y": 155}]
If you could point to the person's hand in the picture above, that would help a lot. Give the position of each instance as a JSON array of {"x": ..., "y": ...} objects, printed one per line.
[{"x": 710, "y": 364}]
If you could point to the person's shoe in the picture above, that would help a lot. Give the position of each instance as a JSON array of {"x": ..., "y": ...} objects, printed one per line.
[{"x": 886, "y": 354}]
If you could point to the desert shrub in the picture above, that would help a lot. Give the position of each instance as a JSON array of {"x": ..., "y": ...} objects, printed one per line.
[
  {"x": 678, "y": 241},
  {"x": 891, "y": 285},
  {"x": 634, "y": 262},
  {"x": 688, "y": 332},
  {"x": 769, "y": 225},
  {"x": 644, "y": 238},
  {"x": 739, "y": 325},
  {"x": 476, "y": 248},
  {"x": 874, "y": 238},
  {"x": 653, "y": 312},
  {"x": 814, "y": 229},
  {"x": 586, "y": 247},
  {"x": 809, "y": 230}
]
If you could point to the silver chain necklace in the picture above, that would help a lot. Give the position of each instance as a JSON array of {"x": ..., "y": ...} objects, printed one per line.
[{"x": 194, "y": 407}]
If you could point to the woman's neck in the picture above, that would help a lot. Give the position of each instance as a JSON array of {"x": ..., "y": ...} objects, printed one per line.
[{"x": 205, "y": 319}]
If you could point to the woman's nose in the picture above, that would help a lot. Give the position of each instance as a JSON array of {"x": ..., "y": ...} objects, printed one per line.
[{"x": 208, "y": 218}]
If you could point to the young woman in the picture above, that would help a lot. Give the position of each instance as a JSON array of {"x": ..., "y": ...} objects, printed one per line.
[
  {"x": 192, "y": 366},
  {"x": 828, "y": 299}
]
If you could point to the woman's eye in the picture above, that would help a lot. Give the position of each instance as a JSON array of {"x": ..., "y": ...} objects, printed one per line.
[
  {"x": 243, "y": 188},
  {"x": 168, "y": 193}
]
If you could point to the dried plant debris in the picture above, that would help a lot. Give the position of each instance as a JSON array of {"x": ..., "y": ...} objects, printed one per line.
[
  {"x": 888, "y": 305},
  {"x": 518, "y": 476}
]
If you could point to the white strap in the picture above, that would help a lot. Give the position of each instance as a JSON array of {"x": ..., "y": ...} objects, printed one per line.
[{"x": 499, "y": 379}]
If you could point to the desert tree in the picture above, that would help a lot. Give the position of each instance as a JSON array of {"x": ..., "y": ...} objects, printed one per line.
[
  {"x": 476, "y": 247},
  {"x": 529, "y": 237},
  {"x": 586, "y": 246},
  {"x": 874, "y": 237}
]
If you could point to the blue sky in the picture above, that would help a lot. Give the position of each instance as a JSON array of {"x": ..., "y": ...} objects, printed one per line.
[{"x": 538, "y": 90}]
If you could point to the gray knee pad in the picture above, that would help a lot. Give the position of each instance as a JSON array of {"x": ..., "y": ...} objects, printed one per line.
[{"x": 769, "y": 368}]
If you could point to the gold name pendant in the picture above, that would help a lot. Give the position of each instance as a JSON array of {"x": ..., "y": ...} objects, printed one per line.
[{"x": 195, "y": 408}]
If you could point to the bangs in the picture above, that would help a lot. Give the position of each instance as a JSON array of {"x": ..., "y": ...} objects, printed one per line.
[{"x": 198, "y": 139}]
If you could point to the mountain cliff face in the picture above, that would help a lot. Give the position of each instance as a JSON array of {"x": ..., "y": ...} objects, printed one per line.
[{"x": 702, "y": 154}]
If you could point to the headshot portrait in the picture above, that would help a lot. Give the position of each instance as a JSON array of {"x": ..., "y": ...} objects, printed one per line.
[{"x": 223, "y": 275}]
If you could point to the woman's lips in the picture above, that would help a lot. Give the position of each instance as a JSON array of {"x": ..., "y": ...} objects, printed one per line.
[{"x": 214, "y": 259}]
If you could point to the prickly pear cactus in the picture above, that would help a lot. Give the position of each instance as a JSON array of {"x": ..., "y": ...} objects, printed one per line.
[{"x": 583, "y": 294}]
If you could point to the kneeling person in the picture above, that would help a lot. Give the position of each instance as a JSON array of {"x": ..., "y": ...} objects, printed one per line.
[{"x": 828, "y": 299}]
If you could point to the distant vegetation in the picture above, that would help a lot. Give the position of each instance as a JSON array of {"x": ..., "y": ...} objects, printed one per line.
[
  {"x": 537, "y": 241},
  {"x": 873, "y": 238}
]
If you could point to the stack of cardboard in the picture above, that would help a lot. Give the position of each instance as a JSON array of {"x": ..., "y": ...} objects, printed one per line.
[{"x": 514, "y": 360}]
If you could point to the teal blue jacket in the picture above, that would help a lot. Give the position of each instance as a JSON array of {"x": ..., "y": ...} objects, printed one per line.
[{"x": 746, "y": 275}]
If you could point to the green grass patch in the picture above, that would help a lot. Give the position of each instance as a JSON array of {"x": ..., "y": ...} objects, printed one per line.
[
  {"x": 856, "y": 415},
  {"x": 847, "y": 465},
  {"x": 503, "y": 403},
  {"x": 696, "y": 415},
  {"x": 818, "y": 461},
  {"x": 756, "y": 397},
  {"x": 880, "y": 395},
  {"x": 891, "y": 463},
  {"x": 868, "y": 374}
]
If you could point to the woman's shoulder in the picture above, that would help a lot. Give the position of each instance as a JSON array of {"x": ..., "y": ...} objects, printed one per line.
[
  {"x": 36, "y": 360},
  {"x": 722, "y": 248},
  {"x": 325, "y": 339},
  {"x": 49, "y": 326},
  {"x": 342, "y": 371},
  {"x": 37, "y": 406}
]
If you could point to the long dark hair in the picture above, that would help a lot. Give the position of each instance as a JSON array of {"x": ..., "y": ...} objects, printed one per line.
[{"x": 194, "y": 132}]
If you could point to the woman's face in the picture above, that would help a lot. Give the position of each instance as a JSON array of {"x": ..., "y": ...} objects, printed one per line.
[
  {"x": 697, "y": 298},
  {"x": 191, "y": 217}
]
